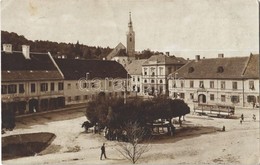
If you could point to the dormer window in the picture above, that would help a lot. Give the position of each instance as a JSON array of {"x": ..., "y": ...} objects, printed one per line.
[
  {"x": 191, "y": 69},
  {"x": 220, "y": 69}
]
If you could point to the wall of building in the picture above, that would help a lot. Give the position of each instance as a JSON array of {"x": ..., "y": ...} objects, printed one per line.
[
  {"x": 228, "y": 94},
  {"x": 20, "y": 97},
  {"x": 82, "y": 91}
]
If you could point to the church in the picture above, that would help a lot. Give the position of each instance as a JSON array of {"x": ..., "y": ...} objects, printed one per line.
[{"x": 121, "y": 54}]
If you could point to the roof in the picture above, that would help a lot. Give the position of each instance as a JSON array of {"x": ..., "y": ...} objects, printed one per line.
[
  {"x": 135, "y": 67},
  {"x": 40, "y": 66},
  {"x": 252, "y": 69},
  {"x": 165, "y": 60},
  {"x": 74, "y": 69},
  {"x": 115, "y": 51},
  {"x": 217, "y": 68}
]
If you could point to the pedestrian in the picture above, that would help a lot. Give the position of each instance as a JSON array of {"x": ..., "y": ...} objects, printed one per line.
[
  {"x": 242, "y": 117},
  {"x": 253, "y": 104},
  {"x": 103, "y": 151},
  {"x": 224, "y": 128},
  {"x": 254, "y": 118},
  {"x": 241, "y": 121}
]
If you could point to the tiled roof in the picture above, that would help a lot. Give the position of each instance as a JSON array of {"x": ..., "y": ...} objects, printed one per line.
[
  {"x": 252, "y": 69},
  {"x": 30, "y": 75},
  {"x": 115, "y": 51},
  {"x": 39, "y": 67},
  {"x": 135, "y": 67},
  {"x": 74, "y": 69},
  {"x": 164, "y": 59},
  {"x": 214, "y": 68}
]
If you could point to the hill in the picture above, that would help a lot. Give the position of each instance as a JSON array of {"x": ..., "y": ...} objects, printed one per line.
[{"x": 70, "y": 50}]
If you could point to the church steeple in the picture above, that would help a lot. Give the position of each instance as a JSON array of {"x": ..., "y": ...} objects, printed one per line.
[
  {"x": 130, "y": 39},
  {"x": 130, "y": 24}
]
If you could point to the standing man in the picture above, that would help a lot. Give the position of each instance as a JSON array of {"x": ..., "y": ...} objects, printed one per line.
[{"x": 103, "y": 151}]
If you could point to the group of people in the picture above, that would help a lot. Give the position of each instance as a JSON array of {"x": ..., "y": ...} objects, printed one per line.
[{"x": 242, "y": 118}]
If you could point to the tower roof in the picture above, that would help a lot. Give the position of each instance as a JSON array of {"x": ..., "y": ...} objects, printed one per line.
[{"x": 130, "y": 24}]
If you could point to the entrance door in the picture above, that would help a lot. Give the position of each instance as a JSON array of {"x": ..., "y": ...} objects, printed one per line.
[{"x": 202, "y": 98}]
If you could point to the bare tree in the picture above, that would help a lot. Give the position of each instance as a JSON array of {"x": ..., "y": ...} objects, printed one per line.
[{"x": 133, "y": 149}]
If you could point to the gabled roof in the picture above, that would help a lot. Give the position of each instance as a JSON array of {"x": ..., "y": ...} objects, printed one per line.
[
  {"x": 164, "y": 59},
  {"x": 74, "y": 69},
  {"x": 252, "y": 69},
  {"x": 115, "y": 51},
  {"x": 214, "y": 68},
  {"x": 40, "y": 66},
  {"x": 135, "y": 67}
]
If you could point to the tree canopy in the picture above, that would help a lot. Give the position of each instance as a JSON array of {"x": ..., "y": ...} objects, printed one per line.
[{"x": 114, "y": 113}]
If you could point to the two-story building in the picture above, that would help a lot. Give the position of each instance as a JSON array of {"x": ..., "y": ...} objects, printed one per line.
[
  {"x": 155, "y": 71},
  {"x": 228, "y": 81},
  {"x": 134, "y": 69},
  {"x": 30, "y": 81},
  {"x": 85, "y": 79}
]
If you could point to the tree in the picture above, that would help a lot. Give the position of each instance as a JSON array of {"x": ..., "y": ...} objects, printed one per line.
[{"x": 133, "y": 150}]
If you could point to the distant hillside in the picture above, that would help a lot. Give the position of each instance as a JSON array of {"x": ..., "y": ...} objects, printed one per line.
[{"x": 70, "y": 50}]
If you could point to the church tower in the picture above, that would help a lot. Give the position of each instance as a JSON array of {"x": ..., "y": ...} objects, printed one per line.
[{"x": 130, "y": 39}]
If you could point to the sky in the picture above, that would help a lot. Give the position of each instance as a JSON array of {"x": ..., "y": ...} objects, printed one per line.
[{"x": 183, "y": 27}]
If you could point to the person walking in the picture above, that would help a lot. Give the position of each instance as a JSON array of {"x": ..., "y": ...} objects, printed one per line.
[
  {"x": 254, "y": 118},
  {"x": 103, "y": 151},
  {"x": 242, "y": 117}
]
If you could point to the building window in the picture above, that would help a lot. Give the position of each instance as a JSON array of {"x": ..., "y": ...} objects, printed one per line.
[
  {"x": 152, "y": 81},
  {"x": 191, "y": 96},
  {"x": 145, "y": 81},
  {"x": 52, "y": 87},
  {"x": 69, "y": 99},
  {"x": 12, "y": 88},
  {"x": 77, "y": 98},
  {"x": 138, "y": 79},
  {"x": 191, "y": 84},
  {"x": 68, "y": 86},
  {"x": 169, "y": 70},
  {"x": 44, "y": 87},
  {"x": 110, "y": 83},
  {"x": 234, "y": 85},
  {"x": 174, "y": 84},
  {"x": 212, "y": 97},
  {"x": 161, "y": 71},
  {"x": 60, "y": 86},
  {"x": 211, "y": 84},
  {"x": 133, "y": 78},
  {"x": 222, "y": 85},
  {"x": 201, "y": 84},
  {"x": 4, "y": 89},
  {"x": 32, "y": 88},
  {"x": 161, "y": 81},
  {"x": 175, "y": 95},
  {"x": 85, "y": 97},
  {"x": 182, "y": 95},
  {"x": 153, "y": 74},
  {"x": 251, "y": 99},
  {"x": 223, "y": 98},
  {"x": 235, "y": 99},
  {"x": 251, "y": 85},
  {"x": 21, "y": 88},
  {"x": 182, "y": 84}
]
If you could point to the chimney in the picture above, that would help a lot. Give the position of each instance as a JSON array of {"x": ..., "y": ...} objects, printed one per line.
[
  {"x": 197, "y": 58},
  {"x": 7, "y": 48},
  {"x": 221, "y": 55},
  {"x": 26, "y": 51},
  {"x": 167, "y": 53}
]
